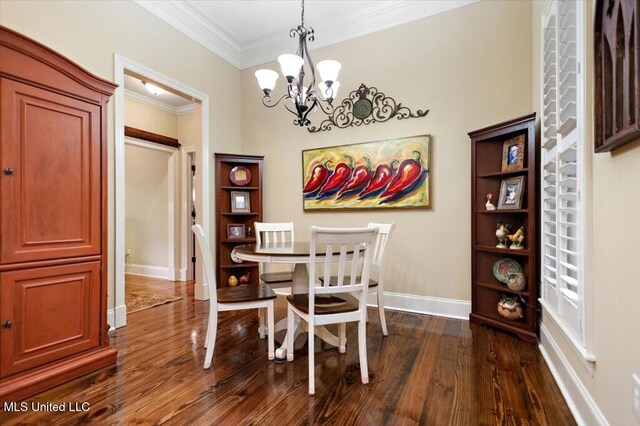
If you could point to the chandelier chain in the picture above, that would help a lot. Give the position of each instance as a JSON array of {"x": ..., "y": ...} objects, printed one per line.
[{"x": 302, "y": 15}]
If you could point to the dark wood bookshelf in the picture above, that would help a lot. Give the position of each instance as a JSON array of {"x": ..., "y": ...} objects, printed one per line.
[
  {"x": 224, "y": 216},
  {"x": 486, "y": 176}
]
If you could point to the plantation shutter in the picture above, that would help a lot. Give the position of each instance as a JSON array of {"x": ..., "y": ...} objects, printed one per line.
[{"x": 562, "y": 167}]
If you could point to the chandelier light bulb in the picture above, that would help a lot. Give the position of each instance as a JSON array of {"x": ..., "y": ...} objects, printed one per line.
[
  {"x": 329, "y": 70},
  {"x": 290, "y": 65},
  {"x": 266, "y": 80}
]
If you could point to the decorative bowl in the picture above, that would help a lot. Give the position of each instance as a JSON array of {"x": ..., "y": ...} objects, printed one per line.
[
  {"x": 510, "y": 308},
  {"x": 234, "y": 256},
  {"x": 516, "y": 281},
  {"x": 503, "y": 267}
]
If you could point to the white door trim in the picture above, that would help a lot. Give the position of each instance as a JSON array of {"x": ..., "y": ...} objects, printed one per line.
[
  {"x": 186, "y": 210},
  {"x": 121, "y": 64}
]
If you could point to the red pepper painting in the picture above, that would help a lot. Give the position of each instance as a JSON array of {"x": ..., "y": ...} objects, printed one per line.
[
  {"x": 338, "y": 178},
  {"x": 379, "y": 181},
  {"x": 359, "y": 178},
  {"x": 319, "y": 176},
  {"x": 389, "y": 174}
]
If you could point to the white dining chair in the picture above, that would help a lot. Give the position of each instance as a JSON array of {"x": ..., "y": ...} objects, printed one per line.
[
  {"x": 345, "y": 301},
  {"x": 274, "y": 232},
  {"x": 231, "y": 299},
  {"x": 377, "y": 265},
  {"x": 281, "y": 281}
]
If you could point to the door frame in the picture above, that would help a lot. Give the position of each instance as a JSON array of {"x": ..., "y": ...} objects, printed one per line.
[
  {"x": 171, "y": 273},
  {"x": 187, "y": 234},
  {"x": 118, "y": 315}
]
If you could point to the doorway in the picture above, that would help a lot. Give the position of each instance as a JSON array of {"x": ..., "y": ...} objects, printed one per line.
[{"x": 123, "y": 66}]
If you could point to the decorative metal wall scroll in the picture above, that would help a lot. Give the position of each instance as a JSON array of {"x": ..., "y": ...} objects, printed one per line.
[{"x": 365, "y": 106}]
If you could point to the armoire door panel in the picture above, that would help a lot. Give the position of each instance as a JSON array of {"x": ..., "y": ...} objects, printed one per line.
[
  {"x": 54, "y": 312},
  {"x": 51, "y": 200}
]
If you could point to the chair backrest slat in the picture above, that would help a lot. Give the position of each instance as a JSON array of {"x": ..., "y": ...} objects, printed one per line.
[
  {"x": 207, "y": 261},
  {"x": 381, "y": 240},
  {"x": 343, "y": 246},
  {"x": 272, "y": 232}
]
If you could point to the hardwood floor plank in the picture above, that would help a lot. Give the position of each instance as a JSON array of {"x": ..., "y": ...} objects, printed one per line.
[{"x": 428, "y": 371}]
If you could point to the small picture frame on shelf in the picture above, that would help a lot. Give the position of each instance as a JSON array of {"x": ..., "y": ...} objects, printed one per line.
[
  {"x": 236, "y": 230},
  {"x": 240, "y": 202},
  {"x": 511, "y": 191},
  {"x": 513, "y": 154}
]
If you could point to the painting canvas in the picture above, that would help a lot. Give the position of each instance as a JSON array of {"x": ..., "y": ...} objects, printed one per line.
[{"x": 390, "y": 173}]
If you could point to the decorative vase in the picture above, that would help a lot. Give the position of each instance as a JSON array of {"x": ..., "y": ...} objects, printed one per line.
[
  {"x": 232, "y": 281},
  {"x": 510, "y": 308},
  {"x": 516, "y": 281}
]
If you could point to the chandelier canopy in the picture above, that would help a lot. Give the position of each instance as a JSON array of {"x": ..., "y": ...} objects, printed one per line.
[{"x": 305, "y": 99}]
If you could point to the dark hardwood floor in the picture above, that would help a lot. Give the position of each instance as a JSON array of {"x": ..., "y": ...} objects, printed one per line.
[{"x": 430, "y": 370}]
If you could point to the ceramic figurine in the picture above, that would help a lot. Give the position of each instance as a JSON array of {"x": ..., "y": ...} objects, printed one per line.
[
  {"x": 244, "y": 278},
  {"x": 489, "y": 206},
  {"x": 502, "y": 230},
  {"x": 232, "y": 281},
  {"x": 517, "y": 239}
]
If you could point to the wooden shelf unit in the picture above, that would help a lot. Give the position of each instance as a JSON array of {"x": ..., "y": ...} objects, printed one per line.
[
  {"x": 486, "y": 176},
  {"x": 225, "y": 267}
]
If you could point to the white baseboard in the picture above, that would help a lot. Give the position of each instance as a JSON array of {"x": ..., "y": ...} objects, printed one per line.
[
  {"x": 181, "y": 274},
  {"x": 117, "y": 317},
  {"x": 450, "y": 308},
  {"x": 150, "y": 271},
  {"x": 111, "y": 319},
  {"x": 582, "y": 406}
]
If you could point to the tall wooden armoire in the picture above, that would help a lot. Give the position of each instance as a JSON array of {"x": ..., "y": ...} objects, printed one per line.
[{"x": 53, "y": 219}]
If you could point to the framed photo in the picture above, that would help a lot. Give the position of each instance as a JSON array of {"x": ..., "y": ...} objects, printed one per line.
[
  {"x": 513, "y": 154},
  {"x": 236, "y": 230},
  {"x": 240, "y": 202},
  {"x": 511, "y": 191}
]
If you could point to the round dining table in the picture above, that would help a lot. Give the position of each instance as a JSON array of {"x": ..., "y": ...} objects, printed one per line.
[{"x": 298, "y": 254}]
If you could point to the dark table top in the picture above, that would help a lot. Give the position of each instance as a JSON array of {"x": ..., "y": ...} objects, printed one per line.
[{"x": 298, "y": 248}]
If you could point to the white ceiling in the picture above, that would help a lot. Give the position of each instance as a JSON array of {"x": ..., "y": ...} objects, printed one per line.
[
  {"x": 167, "y": 101},
  {"x": 250, "y": 32}
]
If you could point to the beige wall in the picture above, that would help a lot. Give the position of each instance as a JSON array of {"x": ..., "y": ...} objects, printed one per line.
[
  {"x": 150, "y": 119},
  {"x": 146, "y": 205},
  {"x": 471, "y": 67},
  {"x": 90, "y": 32},
  {"x": 147, "y": 191},
  {"x": 612, "y": 257}
]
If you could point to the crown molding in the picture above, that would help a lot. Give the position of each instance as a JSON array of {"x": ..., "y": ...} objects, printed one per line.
[
  {"x": 154, "y": 103},
  {"x": 342, "y": 27},
  {"x": 184, "y": 19}
]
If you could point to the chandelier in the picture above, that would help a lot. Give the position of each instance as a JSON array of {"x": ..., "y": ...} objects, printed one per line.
[{"x": 304, "y": 99}]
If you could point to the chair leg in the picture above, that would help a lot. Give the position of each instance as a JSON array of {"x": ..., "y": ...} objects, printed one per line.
[
  {"x": 211, "y": 339},
  {"x": 290, "y": 333},
  {"x": 270, "y": 330},
  {"x": 362, "y": 349},
  {"x": 312, "y": 374},
  {"x": 383, "y": 321},
  {"x": 261, "y": 326},
  {"x": 342, "y": 337}
]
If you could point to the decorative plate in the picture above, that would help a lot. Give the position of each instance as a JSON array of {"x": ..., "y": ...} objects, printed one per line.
[
  {"x": 234, "y": 256},
  {"x": 240, "y": 175},
  {"x": 503, "y": 267}
]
